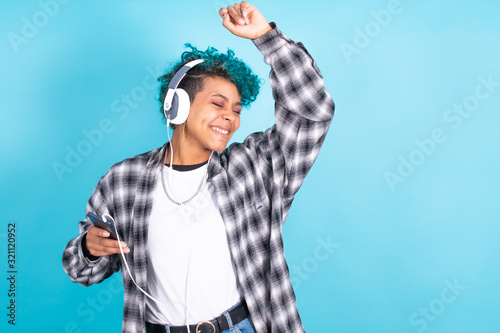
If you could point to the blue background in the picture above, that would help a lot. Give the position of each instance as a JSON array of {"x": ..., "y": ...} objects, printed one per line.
[{"x": 367, "y": 254}]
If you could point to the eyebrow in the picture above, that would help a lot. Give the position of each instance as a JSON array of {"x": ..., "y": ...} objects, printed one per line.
[{"x": 225, "y": 98}]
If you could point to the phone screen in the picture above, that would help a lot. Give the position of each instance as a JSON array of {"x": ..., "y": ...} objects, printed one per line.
[{"x": 99, "y": 223}]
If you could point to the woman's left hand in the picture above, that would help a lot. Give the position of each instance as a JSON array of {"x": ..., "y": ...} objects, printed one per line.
[{"x": 244, "y": 20}]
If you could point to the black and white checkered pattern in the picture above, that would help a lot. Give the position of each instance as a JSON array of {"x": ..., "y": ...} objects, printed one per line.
[{"x": 255, "y": 183}]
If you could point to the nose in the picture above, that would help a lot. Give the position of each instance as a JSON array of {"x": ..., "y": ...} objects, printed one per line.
[{"x": 228, "y": 115}]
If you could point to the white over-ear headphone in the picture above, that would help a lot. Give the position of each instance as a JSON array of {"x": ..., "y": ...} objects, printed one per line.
[{"x": 176, "y": 104}]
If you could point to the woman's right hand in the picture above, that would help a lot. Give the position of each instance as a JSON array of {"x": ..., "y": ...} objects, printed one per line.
[{"x": 98, "y": 244}]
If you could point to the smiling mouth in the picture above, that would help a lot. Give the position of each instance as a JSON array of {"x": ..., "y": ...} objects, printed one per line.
[{"x": 220, "y": 130}]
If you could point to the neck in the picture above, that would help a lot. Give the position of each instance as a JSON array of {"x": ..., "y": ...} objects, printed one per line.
[{"x": 185, "y": 153}]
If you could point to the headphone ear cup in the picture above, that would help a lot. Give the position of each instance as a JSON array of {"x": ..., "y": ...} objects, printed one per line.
[{"x": 182, "y": 103}]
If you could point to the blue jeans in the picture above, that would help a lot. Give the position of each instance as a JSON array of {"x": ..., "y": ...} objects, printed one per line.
[{"x": 244, "y": 326}]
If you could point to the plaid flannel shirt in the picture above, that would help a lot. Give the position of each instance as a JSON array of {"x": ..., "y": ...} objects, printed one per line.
[{"x": 254, "y": 182}]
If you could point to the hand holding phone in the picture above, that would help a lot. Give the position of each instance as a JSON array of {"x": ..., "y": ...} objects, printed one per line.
[
  {"x": 106, "y": 225},
  {"x": 101, "y": 239}
]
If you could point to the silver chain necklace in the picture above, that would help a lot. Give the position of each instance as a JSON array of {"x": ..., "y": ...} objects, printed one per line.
[{"x": 185, "y": 201}]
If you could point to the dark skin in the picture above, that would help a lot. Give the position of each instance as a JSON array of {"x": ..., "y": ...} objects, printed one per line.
[{"x": 217, "y": 105}]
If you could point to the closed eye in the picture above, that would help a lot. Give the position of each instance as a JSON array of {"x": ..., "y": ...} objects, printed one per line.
[{"x": 216, "y": 104}]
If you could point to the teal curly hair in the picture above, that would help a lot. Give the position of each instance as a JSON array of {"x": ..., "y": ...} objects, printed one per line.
[{"x": 216, "y": 65}]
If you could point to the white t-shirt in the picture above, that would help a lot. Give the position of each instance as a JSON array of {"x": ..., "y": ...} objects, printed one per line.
[{"x": 189, "y": 264}]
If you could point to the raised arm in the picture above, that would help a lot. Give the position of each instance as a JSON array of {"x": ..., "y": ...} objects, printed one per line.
[{"x": 304, "y": 108}]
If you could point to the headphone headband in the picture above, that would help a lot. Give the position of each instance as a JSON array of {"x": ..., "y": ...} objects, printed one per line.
[
  {"x": 182, "y": 72},
  {"x": 167, "y": 103}
]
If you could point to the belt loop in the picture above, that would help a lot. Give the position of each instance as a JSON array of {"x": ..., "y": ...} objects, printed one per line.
[
  {"x": 167, "y": 328},
  {"x": 229, "y": 321}
]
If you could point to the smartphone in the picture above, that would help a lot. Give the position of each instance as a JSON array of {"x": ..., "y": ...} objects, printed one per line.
[{"x": 99, "y": 222}]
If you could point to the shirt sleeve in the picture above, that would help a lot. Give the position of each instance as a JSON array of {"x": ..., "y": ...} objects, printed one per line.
[
  {"x": 76, "y": 265},
  {"x": 303, "y": 107}
]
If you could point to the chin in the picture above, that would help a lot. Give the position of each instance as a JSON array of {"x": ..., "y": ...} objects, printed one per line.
[{"x": 219, "y": 147}]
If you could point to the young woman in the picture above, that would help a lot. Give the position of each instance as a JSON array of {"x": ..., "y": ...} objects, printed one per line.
[{"x": 200, "y": 222}]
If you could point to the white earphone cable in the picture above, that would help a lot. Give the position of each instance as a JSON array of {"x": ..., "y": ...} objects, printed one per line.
[
  {"x": 106, "y": 217},
  {"x": 186, "y": 306}
]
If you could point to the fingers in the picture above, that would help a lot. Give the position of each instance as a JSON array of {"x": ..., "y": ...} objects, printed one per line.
[
  {"x": 98, "y": 232},
  {"x": 246, "y": 9},
  {"x": 223, "y": 12},
  {"x": 235, "y": 14},
  {"x": 236, "y": 11},
  {"x": 99, "y": 244},
  {"x": 226, "y": 21},
  {"x": 244, "y": 20}
]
